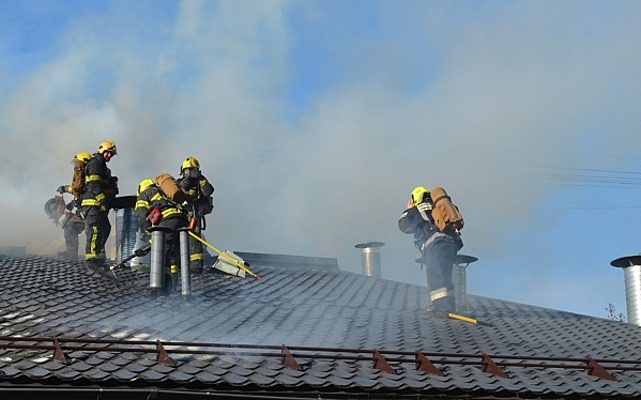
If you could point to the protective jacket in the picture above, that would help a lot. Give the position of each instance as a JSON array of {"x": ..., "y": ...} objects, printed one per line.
[
  {"x": 151, "y": 198},
  {"x": 99, "y": 184},
  {"x": 421, "y": 225},
  {"x": 172, "y": 219},
  {"x": 438, "y": 253},
  {"x": 199, "y": 192}
]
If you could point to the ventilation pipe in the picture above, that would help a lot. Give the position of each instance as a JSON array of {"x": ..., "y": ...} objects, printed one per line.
[
  {"x": 126, "y": 222},
  {"x": 184, "y": 262},
  {"x": 631, "y": 266},
  {"x": 157, "y": 267},
  {"x": 459, "y": 278},
  {"x": 371, "y": 258},
  {"x": 126, "y": 228}
]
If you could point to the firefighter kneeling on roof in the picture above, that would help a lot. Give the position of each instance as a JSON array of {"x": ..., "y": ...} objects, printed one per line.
[
  {"x": 71, "y": 222},
  {"x": 158, "y": 208},
  {"x": 435, "y": 223}
]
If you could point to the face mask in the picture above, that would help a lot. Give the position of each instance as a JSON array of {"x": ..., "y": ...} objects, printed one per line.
[{"x": 192, "y": 173}]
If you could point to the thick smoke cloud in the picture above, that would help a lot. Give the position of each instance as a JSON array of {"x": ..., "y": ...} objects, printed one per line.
[{"x": 519, "y": 86}]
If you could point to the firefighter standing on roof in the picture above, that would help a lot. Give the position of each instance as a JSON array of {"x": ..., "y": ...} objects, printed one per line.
[
  {"x": 155, "y": 209},
  {"x": 71, "y": 223},
  {"x": 99, "y": 188},
  {"x": 438, "y": 249},
  {"x": 199, "y": 196}
]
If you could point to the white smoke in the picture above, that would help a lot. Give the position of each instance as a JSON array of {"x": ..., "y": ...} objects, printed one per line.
[{"x": 521, "y": 86}]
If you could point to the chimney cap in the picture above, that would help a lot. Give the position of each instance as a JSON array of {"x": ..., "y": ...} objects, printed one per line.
[
  {"x": 627, "y": 261},
  {"x": 460, "y": 259},
  {"x": 369, "y": 244},
  {"x": 465, "y": 259}
]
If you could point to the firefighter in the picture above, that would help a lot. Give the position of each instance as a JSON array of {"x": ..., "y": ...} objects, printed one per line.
[
  {"x": 71, "y": 222},
  {"x": 438, "y": 249},
  {"x": 98, "y": 189},
  {"x": 199, "y": 196},
  {"x": 171, "y": 217}
]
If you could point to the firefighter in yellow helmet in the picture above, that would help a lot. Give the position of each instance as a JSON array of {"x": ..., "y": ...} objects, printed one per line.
[
  {"x": 155, "y": 209},
  {"x": 100, "y": 186},
  {"x": 438, "y": 249},
  {"x": 70, "y": 221},
  {"x": 199, "y": 193}
]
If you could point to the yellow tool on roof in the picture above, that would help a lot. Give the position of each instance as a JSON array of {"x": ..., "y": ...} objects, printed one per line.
[
  {"x": 242, "y": 265},
  {"x": 468, "y": 319}
]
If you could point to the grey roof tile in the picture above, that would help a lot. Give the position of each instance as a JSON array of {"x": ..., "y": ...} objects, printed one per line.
[
  {"x": 366, "y": 383},
  {"x": 261, "y": 380},
  {"x": 216, "y": 370},
  {"x": 208, "y": 378},
  {"x": 235, "y": 380},
  {"x": 287, "y": 380},
  {"x": 309, "y": 308},
  {"x": 37, "y": 373},
  {"x": 189, "y": 369},
  {"x": 94, "y": 360},
  {"x": 124, "y": 375},
  {"x": 181, "y": 377},
  {"x": 67, "y": 374},
  {"x": 96, "y": 375},
  {"x": 108, "y": 367},
  {"x": 241, "y": 371},
  {"x": 339, "y": 382},
  {"x": 23, "y": 365},
  {"x": 152, "y": 376},
  {"x": 162, "y": 368}
]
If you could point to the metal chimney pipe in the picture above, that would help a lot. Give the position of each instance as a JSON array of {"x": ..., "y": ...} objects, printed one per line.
[
  {"x": 459, "y": 278},
  {"x": 126, "y": 227},
  {"x": 371, "y": 258},
  {"x": 126, "y": 223},
  {"x": 157, "y": 267},
  {"x": 184, "y": 262},
  {"x": 632, "y": 277}
]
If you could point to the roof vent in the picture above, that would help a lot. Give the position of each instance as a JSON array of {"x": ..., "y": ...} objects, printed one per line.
[
  {"x": 632, "y": 277},
  {"x": 459, "y": 278},
  {"x": 371, "y": 258}
]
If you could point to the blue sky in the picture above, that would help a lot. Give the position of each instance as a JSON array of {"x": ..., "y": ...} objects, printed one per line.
[{"x": 315, "y": 119}]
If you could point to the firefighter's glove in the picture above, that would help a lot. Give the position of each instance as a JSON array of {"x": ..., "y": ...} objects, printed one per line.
[
  {"x": 61, "y": 189},
  {"x": 424, "y": 207},
  {"x": 141, "y": 251}
]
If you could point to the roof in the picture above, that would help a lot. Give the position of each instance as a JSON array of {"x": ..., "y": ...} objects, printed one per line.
[{"x": 338, "y": 311}]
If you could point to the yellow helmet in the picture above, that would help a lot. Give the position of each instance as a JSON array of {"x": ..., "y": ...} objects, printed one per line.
[
  {"x": 190, "y": 162},
  {"x": 107, "y": 145},
  {"x": 82, "y": 157},
  {"x": 418, "y": 195},
  {"x": 144, "y": 184}
]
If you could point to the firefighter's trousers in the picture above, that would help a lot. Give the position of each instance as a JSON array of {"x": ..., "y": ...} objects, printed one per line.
[
  {"x": 97, "y": 229},
  {"x": 72, "y": 229},
  {"x": 196, "y": 252},
  {"x": 172, "y": 249},
  {"x": 439, "y": 259}
]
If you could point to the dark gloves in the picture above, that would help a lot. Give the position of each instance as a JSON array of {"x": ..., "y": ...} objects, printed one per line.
[
  {"x": 142, "y": 251},
  {"x": 61, "y": 189},
  {"x": 424, "y": 207}
]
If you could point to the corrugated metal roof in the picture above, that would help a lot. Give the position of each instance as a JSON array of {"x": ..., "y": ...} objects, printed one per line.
[{"x": 327, "y": 308}]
